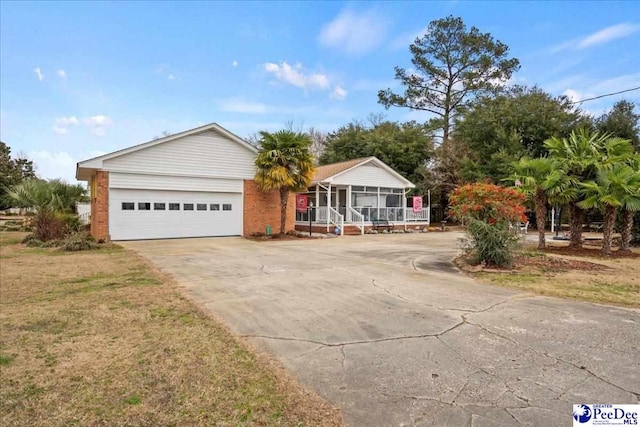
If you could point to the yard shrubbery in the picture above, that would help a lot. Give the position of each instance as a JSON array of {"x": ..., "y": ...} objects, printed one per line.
[
  {"x": 53, "y": 220},
  {"x": 488, "y": 211}
]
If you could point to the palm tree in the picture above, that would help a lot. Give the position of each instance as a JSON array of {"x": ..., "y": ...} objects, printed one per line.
[
  {"x": 580, "y": 156},
  {"x": 47, "y": 199},
  {"x": 69, "y": 194},
  {"x": 285, "y": 164},
  {"x": 37, "y": 195},
  {"x": 614, "y": 187},
  {"x": 630, "y": 205},
  {"x": 533, "y": 174}
]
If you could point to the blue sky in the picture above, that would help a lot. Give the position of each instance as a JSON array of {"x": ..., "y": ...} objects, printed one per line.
[{"x": 78, "y": 79}]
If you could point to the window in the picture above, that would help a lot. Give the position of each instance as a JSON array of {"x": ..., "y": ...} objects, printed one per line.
[
  {"x": 357, "y": 188},
  {"x": 214, "y": 207},
  {"x": 159, "y": 206},
  {"x": 174, "y": 206},
  {"x": 226, "y": 207},
  {"x": 143, "y": 206},
  {"x": 128, "y": 206},
  {"x": 188, "y": 206},
  {"x": 201, "y": 206}
]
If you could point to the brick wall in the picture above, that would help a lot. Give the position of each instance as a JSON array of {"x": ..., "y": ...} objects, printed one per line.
[
  {"x": 100, "y": 205},
  {"x": 263, "y": 208}
]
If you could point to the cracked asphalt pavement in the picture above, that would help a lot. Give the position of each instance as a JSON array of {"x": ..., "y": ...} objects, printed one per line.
[{"x": 385, "y": 328}]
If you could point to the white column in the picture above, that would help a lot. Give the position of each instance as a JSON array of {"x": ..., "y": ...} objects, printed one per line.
[
  {"x": 328, "y": 205},
  {"x": 429, "y": 207},
  {"x": 348, "y": 204},
  {"x": 404, "y": 208}
]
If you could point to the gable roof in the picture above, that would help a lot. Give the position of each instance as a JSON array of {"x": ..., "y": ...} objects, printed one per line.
[
  {"x": 327, "y": 173},
  {"x": 96, "y": 162}
]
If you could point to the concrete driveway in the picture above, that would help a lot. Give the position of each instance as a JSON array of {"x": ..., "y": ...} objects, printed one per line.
[{"x": 384, "y": 327}]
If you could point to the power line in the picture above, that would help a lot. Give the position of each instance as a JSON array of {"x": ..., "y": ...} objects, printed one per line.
[{"x": 605, "y": 95}]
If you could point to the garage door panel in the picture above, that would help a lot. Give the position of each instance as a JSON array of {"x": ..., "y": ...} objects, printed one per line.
[{"x": 148, "y": 221}]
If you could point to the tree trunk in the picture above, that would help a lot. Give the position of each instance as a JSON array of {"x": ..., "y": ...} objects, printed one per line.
[
  {"x": 577, "y": 219},
  {"x": 284, "y": 198},
  {"x": 609, "y": 223},
  {"x": 627, "y": 229},
  {"x": 541, "y": 216}
]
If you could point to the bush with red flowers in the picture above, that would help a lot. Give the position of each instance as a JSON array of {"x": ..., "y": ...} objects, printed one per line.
[
  {"x": 488, "y": 203},
  {"x": 488, "y": 211}
]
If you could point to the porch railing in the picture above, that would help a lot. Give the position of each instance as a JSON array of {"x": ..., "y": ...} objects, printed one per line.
[
  {"x": 356, "y": 218},
  {"x": 336, "y": 218},
  {"x": 418, "y": 216},
  {"x": 85, "y": 218}
]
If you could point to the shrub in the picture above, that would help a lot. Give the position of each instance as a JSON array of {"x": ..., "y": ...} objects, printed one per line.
[
  {"x": 487, "y": 202},
  {"x": 78, "y": 242},
  {"x": 492, "y": 244},
  {"x": 32, "y": 241},
  {"x": 70, "y": 223},
  {"x": 488, "y": 210}
]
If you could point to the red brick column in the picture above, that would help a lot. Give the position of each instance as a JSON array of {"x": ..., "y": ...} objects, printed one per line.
[
  {"x": 263, "y": 208},
  {"x": 100, "y": 206}
]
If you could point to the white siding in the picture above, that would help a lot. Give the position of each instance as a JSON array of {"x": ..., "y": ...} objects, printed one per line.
[
  {"x": 176, "y": 183},
  {"x": 369, "y": 174},
  {"x": 207, "y": 154}
]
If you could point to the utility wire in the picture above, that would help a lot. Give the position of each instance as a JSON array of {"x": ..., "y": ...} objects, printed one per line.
[{"x": 605, "y": 95}]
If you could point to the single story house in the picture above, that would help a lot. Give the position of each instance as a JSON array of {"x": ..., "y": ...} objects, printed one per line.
[
  {"x": 353, "y": 194},
  {"x": 195, "y": 183}
]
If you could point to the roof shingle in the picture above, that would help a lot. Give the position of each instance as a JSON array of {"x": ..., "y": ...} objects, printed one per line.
[{"x": 327, "y": 171}]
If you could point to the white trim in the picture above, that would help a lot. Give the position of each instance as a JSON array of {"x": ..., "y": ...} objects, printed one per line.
[
  {"x": 96, "y": 162},
  {"x": 184, "y": 175},
  {"x": 380, "y": 163}
]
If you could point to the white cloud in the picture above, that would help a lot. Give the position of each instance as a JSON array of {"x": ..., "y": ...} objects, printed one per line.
[
  {"x": 234, "y": 63},
  {"x": 338, "y": 93},
  {"x": 602, "y": 36},
  {"x": 98, "y": 124},
  {"x": 52, "y": 165},
  {"x": 574, "y": 95},
  {"x": 62, "y": 73},
  {"x": 38, "y": 73},
  {"x": 99, "y": 120},
  {"x": 354, "y": 33},
  {"x": 296, "y": 75},
  {"x": 405, "y": 39},
  {"x": 579, "y": 87},
  {"x": 62, "y": 124},
  {"x": 171, "y": 77},
  {"x": 67, "y": 121},
  {"x": 608, "y": 34}
]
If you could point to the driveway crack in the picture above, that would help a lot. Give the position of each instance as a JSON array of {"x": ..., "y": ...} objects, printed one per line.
[
  {"x": 557, "y": 358},
  {"x": 373, "y": 282},
  {"x": 341, "y": 344}
]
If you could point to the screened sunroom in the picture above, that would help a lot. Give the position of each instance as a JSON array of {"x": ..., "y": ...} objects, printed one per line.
[{"x": 357, "y": 193}]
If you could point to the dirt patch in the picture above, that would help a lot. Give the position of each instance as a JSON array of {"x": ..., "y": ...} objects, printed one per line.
[
  {"x": 593, "y": 278},
  {"x": 589, "y": 252},
  {"x": 101, "y": 338},
  {"x": 557, "y": 264}
]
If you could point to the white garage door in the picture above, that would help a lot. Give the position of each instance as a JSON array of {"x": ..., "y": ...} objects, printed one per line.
[{"x": 156, "y": 214}]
